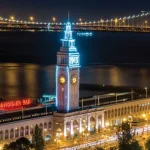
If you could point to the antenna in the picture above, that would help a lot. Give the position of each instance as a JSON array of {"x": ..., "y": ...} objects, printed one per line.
[{"x": 68, "y": 15}]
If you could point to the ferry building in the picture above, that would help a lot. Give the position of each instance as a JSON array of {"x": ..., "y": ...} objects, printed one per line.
[{"x": 70, "y": 119}]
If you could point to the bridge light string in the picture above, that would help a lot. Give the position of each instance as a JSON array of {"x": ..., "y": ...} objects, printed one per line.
[{"x": 77, "y": 23}]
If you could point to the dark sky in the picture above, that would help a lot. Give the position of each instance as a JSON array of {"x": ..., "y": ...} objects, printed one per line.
[{"x": 44, "y": 10}]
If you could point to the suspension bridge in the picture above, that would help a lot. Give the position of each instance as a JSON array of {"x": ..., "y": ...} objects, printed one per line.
[{"x": 132, "y": 23}]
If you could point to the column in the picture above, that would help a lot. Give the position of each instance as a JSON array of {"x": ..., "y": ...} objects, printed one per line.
[
  {"x": 80, "y": 125},
  {"x": 96, "y": 124},
  {"x": 19, "y": 132},
  {"x": 71, "y": 127},
  {"x": 98, "y": 100},
  {"x": 65, "y": 134},
  {"x": 8, "y": 134},
  {"x": 4, "y": 135},
  {"x": 103, "y": 123},
  {"x": 88, "y": 123},
  {"x": 14, "y": 133},
  {"x": 29, "y": 130},
  {"x": 24, "y": 131}
]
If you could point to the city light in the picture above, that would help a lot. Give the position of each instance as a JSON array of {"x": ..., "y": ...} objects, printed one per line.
[
  {"x": 31, "y": 18},
  {"x": 54, "y": 20},
  {"x": 12, "y": 18},
  {"x": 80, "y": 19},
  {"x": 16, "y": 104},
  {"x": 116, "y": 20}
]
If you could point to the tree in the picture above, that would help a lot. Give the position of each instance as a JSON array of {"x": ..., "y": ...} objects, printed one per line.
[
  {"x": 37, "y": 139},
  {"x": 5, "y": 147},
  {"x": 23, "y": 143},
  {"x": 20, "y": 144},
  {"x": 125, "y": 137},
  {"x": 99, "y": 148},
  {"x": 126, "y": 141},
  {"x": 147, "y": 144},
  {"x": 135, "y": 145},
  {"x": 113, "y": 148},
  {"x": 12, "y": 146}
]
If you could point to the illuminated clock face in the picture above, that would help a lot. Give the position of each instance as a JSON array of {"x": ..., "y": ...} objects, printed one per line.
[
  {"x": 74, "y": 60},
  {"x": 73, "y": 79},
  {"x": 62, "y": 79}
]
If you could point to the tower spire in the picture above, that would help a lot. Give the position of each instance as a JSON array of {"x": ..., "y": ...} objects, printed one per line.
[{"x": 68, "y": 15}]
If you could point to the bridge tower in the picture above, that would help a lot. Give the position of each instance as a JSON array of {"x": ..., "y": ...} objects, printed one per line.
[{"x": 67, "y": 74}]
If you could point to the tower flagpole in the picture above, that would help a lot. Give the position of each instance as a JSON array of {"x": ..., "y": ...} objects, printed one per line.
[{"x": 68, "y": 15}]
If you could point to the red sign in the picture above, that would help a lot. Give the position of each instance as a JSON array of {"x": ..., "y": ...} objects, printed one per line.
[{"x": 11, "y": 105}]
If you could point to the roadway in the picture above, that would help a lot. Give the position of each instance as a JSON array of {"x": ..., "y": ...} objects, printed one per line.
[
  {"x": 10, "y": 26},
  {"x": 111, "y": 140}
]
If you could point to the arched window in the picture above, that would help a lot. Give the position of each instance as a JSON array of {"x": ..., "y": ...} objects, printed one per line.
[
  {"x": 45, "y": 125},
  {"x": 119, "y": 112},
  {"x": 115, "y": 112},
  {"x": 125, "y": 111},
  {"x": 112, "y": 113},
  {"x": 1, "y": 135},
  {"x": 11, "y": 133},
  {"x": 108, "y": 113},
  {"x": 49, "y": 125},
  {"x": 6, "y": 134},
  {"x": 22, "y": 131}
]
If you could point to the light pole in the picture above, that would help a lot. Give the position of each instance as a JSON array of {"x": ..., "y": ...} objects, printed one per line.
[
  {"x": 80, "y": 20},
  {"x": 116, "y": 97},
  {"x": 116, "y": 21},
  {"x": 101, "y": 21},
  {"x": 12, "y": 18},
  {"x": 58, "y": 135},
  {"x": 123, "y": 22},
  {"x": 54, "y": 20},
  {"x": 31, "y": 18},
  {"x": 146, "y": 91},
  {"x": 146, "y": 23},
  {"x": 132, "y": 94}
]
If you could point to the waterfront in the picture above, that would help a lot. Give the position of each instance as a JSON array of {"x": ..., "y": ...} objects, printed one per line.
[
  {"x": 27, "y": 59},
  {"x": 31, "y": 80}
]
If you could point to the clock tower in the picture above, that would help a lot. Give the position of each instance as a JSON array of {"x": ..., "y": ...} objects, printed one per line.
[{"x": 67, "y": 74}]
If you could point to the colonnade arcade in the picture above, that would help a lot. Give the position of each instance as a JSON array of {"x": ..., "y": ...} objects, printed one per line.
[
  {"x": 87, "y": 123},
  {"x": 132, "y": 111},
  {"x": 25, "y": 128}
]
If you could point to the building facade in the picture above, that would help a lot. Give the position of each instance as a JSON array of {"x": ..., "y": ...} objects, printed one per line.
[
  {"x": 67, "y": 74},
  {"x": 69, "y": 119}
]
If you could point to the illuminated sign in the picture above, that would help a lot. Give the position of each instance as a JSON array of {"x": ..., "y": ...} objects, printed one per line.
[
  {"x": 11, "y": 105},
  {"x": 74, "y": 60}
]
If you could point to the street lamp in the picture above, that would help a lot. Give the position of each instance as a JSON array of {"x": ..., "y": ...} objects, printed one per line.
[
  {"x": 31, "y": 18},
  {"x": 146, "y": 22},
  {"x": 116, "y": 21},
  {"x": 80, "y": 19},
  {"x": 58, "y": 135},
  {"x": 102, "y": 21},
  {"x": 146, "y": 91},
  {"x": 54, "y": 19},
  {"x": 12, "y": 18}
]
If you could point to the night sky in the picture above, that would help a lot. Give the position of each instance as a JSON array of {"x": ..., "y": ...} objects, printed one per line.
[{"x": 44, "y": 10}]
